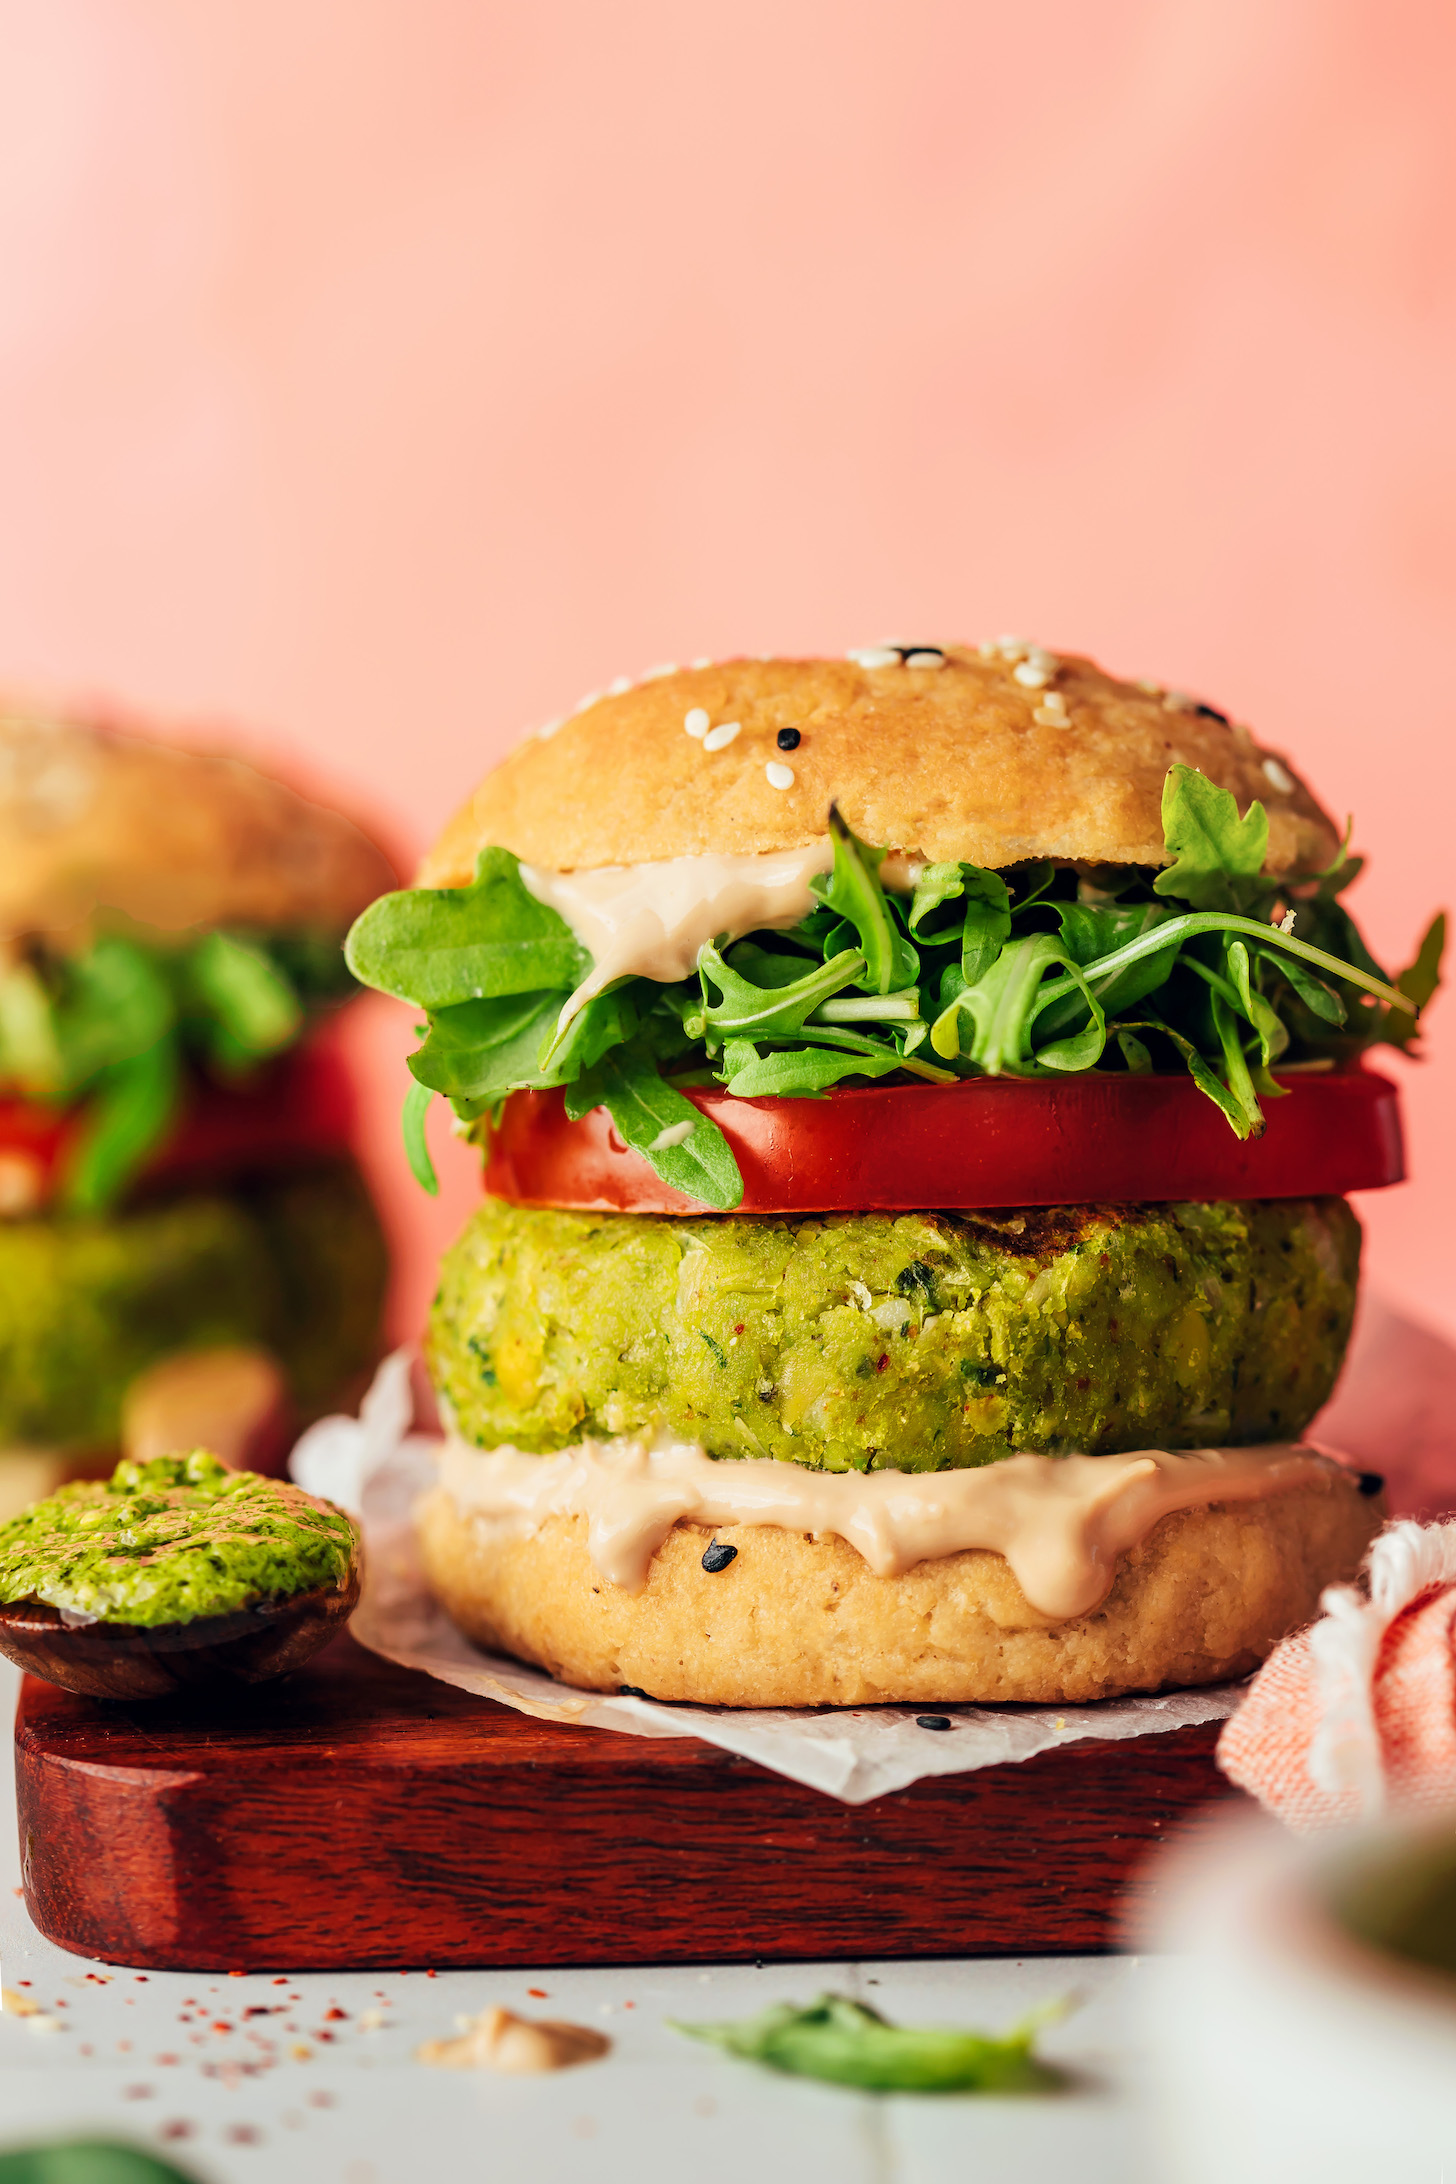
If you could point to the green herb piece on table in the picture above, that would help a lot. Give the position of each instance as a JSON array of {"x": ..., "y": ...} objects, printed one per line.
[
  {"x": 848, "y": 2043},
  {"x": 87, "y": 2161}
]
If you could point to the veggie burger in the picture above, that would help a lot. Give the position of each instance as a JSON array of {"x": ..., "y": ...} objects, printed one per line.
[
  {"x": 918, "y": 1093},
  {"x": 173, "y": 1172}
]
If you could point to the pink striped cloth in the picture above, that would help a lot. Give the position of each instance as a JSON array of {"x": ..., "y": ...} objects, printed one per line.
[{"x": 1354, "y": 1718}]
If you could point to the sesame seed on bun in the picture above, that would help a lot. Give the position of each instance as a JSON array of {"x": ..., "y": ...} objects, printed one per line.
[{"x": 991, "y": 755}]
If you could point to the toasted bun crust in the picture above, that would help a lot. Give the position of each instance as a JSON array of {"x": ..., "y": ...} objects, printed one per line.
[
  {"x": 796, "y": 1621},
  {"x": 949, "y": 762},
  {"x": 92, "y": 819}
]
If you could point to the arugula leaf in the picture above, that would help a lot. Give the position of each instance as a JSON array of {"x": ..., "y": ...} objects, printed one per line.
[
  {"x": 1420, "y": 981},
  {"x": 438, "y": 946},
  {"x": 480, "y": 1050},
  {"x": 746, "y": 1010},
  {"x": 1218, "y": 858},
  {"x": 789, "y": 1072},
  {"x": 936, "y": 883},
  {"x": 417, "y": 1152},
  {"x": 649, "y": 1114},
  {"x": 853, "y": 889},
  {"x": 987, "y": 926},
  {"x": 1003, "y": 1006},
  {"x": 848, "y": 2043}
]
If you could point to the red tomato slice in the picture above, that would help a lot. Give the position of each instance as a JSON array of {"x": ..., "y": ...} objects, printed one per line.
[
  {"x": 300, "y": 1105},
  {"x": 989, "y": 1141}
]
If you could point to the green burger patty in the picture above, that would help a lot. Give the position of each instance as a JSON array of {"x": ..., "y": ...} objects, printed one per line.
[
  {"x": 294, "y": 1260},
  {"x": 908, "y": 1342}
]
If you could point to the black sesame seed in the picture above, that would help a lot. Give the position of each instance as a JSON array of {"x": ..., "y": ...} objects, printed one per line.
[
  {"x": 906, "y": 650},
  {"x": 1211, "y": 712},
  {"x": 932, "y": 1721},
  {"x": 630, "y": 1691},
  {"x": 1370, "y": 1482},
  {"x": 718, "y": 1556},
  {"x": 787, "y": 739}
]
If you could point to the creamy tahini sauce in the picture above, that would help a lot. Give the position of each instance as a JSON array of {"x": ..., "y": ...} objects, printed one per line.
[
  {"x": 1061, "y": 1522},
  {"x": 650, "y": 920}
]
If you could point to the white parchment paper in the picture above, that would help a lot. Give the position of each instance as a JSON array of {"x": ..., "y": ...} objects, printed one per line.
[{"x": 375, "y": 1467}]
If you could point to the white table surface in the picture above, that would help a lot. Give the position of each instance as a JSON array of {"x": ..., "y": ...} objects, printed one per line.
[{"x": 173, "y": 2061}]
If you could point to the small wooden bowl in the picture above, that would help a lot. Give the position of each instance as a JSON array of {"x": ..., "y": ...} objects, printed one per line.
[{"x": 131, "y": 1661}]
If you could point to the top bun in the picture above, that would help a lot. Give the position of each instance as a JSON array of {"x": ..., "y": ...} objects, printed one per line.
[
  {"x": 988, "y": 757},
  {"x": 91, "y": 819}
]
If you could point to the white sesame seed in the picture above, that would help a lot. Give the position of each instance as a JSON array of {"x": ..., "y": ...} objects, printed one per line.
[
  {"x": 875, "y": 656},
  {"x": 696, "y": 722},
  {"x": 704, "y": 662},
  {"x": 583, "y": 705},
  {"x": 549, "y": 728},
  {"x": 988, "y": 651},
  {"x": 1276, "y": 776},
  {"x": 925, "y": 659},
  {"x": 1045, "y": 718},
  {"x": 779, "y": 777},
  {"x": 1150, "y": 689},
  {"x": 619, "y": 686},
  {"x": 1012, "y": 648},
  {"x": 1031, "y": 676},
  {"x": 1054, "y": 702},
  {"x": 719, "y": 738},
  {"x": 663, "y": 667},
  {"x": 1178, "y": 701}
]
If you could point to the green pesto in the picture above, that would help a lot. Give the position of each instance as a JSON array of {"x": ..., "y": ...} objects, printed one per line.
[
  {"x": 914, "y": 1342},
  {"x": 171, "y": 1541},
  {"x": 294, "y": 1260}
]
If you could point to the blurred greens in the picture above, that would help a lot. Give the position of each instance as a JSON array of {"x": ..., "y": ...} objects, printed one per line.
[
  {"x": 115, "y": 1024},
  {"x": 87, "y": 2161}
]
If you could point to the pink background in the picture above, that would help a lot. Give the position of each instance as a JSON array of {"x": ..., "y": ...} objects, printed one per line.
[{"x": 376, "y": 375}]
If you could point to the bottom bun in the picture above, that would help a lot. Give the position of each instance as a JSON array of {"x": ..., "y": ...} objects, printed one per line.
[{"x": 798, "y": 1621}]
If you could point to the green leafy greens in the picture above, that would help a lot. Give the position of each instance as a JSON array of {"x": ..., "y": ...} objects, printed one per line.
[
  {"x": 112, "y": 1027},
  {"x": 848, "y": 2043},
  {"x": 1208, "y": 964}
]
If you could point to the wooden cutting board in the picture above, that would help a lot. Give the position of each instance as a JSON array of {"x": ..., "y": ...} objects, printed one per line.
[{"x": 359, "y": 1815}]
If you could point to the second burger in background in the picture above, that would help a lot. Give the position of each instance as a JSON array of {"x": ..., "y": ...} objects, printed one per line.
[
  {"x": 981, "y": 1379},
  {"x": 185, "y": 1240}
]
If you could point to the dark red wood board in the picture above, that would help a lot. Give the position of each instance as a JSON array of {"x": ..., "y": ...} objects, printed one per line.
[{"x": 359, "y": 1815}]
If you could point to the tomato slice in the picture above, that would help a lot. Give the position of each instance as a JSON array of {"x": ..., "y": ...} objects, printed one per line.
[
  {"x": 299, "y": 1105},
  {"x": 988, "y": 1141}
]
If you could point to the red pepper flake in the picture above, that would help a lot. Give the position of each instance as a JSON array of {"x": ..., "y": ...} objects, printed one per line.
[
  {"x": 323, "y": 2036},
  {"x": 221, "y": 2027},
  {"x": 884, "y": 1361},
  {"x": 138, "y": 2093},
  {"x": 177, "y": 2128},
  {"x": 629, "y": 2005},
  {"x": 280, "y": 1982},
  {"x": 540, "y": 1993},
  {"x": 740, "y": 1327},
  {"x": 163, "y": 2061},
  {"x": 141, "y": 1979},
  {"x": 320, "y": 2099},
  {"x": 429, "y": 1975},
  {"x": 242, "y": 2134},
  {"x": 335, "y": 2016}
]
